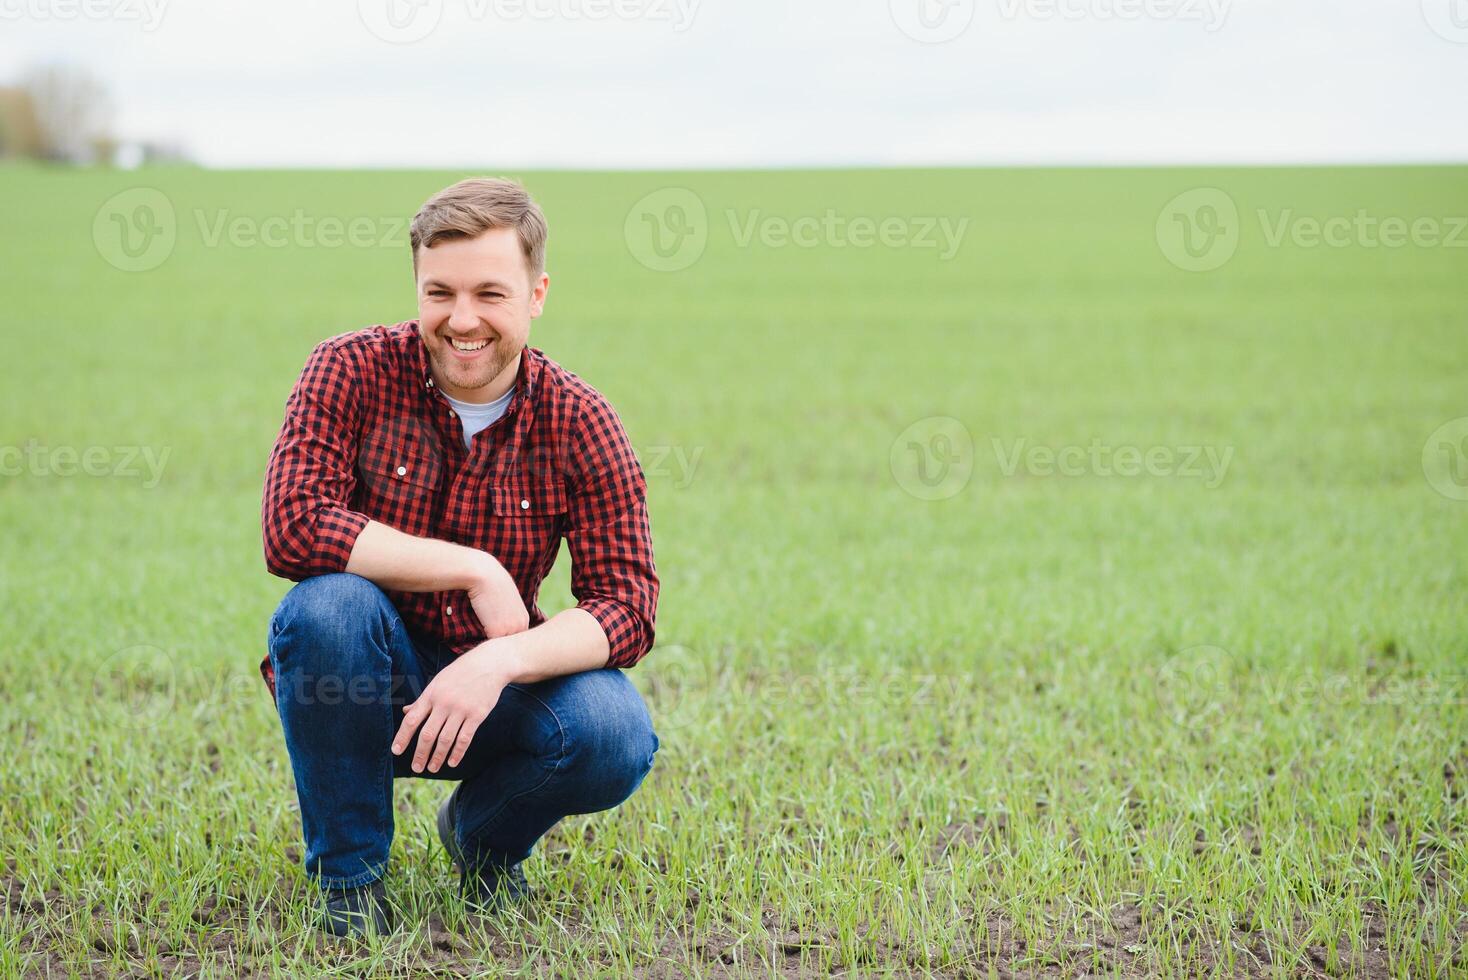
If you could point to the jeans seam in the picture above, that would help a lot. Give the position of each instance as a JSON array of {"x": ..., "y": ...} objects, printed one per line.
[
  {"x": 493, "y": 819},
  {"x": 385, "y": 815}
]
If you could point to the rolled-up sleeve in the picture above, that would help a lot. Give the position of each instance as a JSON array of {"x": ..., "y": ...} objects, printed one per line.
[
  {"x": 307, "y": 525},
  {"x": 610, "y": 537}
]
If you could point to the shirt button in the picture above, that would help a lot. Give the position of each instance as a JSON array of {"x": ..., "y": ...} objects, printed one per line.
[
  {"x": 524, "y": 505},
  {"x": 448, "y": 610},
  {"x": 402, "y": 471}
]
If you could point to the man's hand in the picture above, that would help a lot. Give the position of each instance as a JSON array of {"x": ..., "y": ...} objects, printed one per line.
[
  {"x": 452, "y": 707},
  {"x": 495, "y": 599}
]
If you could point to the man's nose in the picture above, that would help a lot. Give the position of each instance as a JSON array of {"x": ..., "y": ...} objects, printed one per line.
[{"x": 463, "y": 317}]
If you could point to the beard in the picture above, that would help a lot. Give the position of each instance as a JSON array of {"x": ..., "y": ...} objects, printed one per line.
[{"x": 472, "y": 377}]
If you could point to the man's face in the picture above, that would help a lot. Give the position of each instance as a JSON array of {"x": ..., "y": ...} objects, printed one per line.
[{"x": 475, "y": 303}]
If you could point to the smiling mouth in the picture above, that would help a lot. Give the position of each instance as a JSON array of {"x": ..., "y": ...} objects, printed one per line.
[{"x": 469, "y": 346}]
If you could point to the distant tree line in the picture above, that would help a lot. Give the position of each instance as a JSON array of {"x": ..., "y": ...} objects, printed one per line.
[{"x": 61, "y": 114}]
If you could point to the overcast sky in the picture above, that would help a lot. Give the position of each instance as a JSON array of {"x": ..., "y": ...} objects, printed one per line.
[{"x": 733, "y": 83}]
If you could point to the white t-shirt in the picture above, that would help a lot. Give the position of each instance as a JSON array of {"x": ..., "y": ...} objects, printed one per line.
[{"x": 477, "y": 418}]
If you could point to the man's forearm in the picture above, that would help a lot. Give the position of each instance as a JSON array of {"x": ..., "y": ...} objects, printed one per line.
[
  {"x": 394, "y": 560},
  {"x": 568, "y": 643}
]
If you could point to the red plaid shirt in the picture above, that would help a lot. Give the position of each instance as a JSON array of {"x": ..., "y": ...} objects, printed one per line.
[{"x": 368, "y": 435}]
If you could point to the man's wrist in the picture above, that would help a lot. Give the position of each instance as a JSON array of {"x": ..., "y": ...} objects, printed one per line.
[
  {"x": 481, "y": 571},
  {"x": 501, "y": 657}
]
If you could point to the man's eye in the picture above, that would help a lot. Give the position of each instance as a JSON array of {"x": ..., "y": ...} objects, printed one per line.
[
  {"x": 437, "y": 293},
  {"x": 491, "y": 295}
]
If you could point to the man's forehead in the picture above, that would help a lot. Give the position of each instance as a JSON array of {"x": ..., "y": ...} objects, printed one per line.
[{"x": 490, "y": 258}]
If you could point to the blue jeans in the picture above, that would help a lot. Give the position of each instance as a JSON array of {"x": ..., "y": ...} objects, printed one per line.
[{"x": 346, "y": 664}]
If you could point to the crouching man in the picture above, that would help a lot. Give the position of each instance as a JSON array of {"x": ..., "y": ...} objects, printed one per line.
[{"x": 418, "y": 493}]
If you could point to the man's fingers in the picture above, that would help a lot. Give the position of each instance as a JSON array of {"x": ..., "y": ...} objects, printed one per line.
[
  {"x": 412, "y": 718},
  {"x": 445, "y": 742},
  {"x": 426, "y": 737},
  {"x": 465, "y": 739}
]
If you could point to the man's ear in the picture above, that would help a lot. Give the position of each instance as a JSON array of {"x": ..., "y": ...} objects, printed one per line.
[{"x": 537, "y": 295}]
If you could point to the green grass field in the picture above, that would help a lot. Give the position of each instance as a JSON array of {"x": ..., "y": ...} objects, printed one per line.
[{"x": 1046, "y": 722}]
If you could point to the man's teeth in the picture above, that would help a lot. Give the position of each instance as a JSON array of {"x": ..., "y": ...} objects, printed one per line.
[{"x": 469, "y": 345}]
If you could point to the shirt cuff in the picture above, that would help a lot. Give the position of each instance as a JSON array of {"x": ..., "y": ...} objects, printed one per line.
[
  {"x": 336, "y": 534},
  {"x": 627, "y": 640}
]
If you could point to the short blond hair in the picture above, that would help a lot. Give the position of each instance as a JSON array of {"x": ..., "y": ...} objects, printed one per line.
[{"x": 471, "y": 207}]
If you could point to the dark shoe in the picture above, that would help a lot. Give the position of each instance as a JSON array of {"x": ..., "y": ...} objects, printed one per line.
[
  {"x": 446, "y": 821},
  {"x": 491, "y": 890},
  {"x": 485, "y": 890},
  {"x": 356, "y": 912}
]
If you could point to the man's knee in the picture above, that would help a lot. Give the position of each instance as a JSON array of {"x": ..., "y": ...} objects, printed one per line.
[
  {"x": 333, "y": 616},
  {"x": 610, "y": 742}
]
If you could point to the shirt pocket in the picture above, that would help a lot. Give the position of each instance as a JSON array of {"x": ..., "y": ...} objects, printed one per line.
[
  {"x": 530, "y": 519},
  {"x": 529, "y": 500},
  {"x": 399, "y": 483}
]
